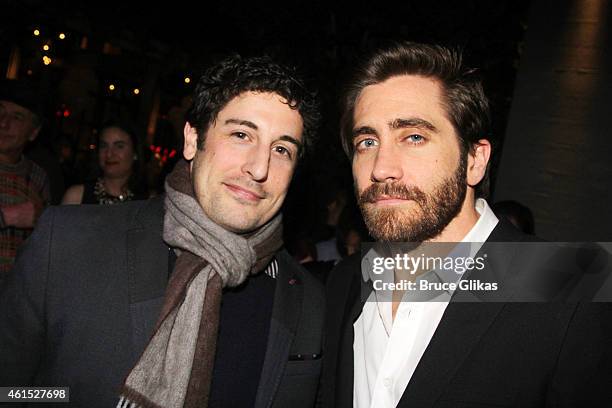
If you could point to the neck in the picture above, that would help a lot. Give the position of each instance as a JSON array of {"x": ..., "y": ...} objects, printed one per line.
[
  {"x": 459, "y": 227},
  {"x": 116, "y": 186},
  {"x": 10, "y": 158}
]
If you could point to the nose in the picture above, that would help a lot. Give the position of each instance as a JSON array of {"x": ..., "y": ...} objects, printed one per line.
[
  {"x": 387, "y": 165},
  {"x": 105, "y": 153},
  {"x": 114, "y": 152},
  {"x": 257, "y": 163}
]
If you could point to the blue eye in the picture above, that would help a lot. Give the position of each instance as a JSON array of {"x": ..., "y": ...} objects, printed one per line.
[
  {"x": 366, "y": 143},
  {"x": 416, "y": 139}
]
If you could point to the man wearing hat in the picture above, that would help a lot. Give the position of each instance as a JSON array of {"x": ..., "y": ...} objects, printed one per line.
[{"x": 24, "y": 186}]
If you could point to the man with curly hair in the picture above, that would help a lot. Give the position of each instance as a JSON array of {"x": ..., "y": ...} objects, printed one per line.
[{"x": 190, "y": 300}]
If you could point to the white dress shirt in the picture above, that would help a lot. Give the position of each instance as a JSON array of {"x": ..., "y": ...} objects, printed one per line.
[{"x": 387, "y": 351}]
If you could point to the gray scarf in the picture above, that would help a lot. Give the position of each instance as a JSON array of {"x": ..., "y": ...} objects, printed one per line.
[{"x": 176, "y": 367}]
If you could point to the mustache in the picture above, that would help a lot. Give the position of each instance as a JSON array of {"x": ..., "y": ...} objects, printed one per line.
[{"x": 401, "y": 191}]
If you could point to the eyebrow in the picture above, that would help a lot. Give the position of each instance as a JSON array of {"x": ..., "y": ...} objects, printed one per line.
[
  {"x": 364, "y": 130},
  {"x": 412, "y": 122},
  {"x": 243, "y": 122},
  {"x": 397, "y": 124},
  {"x": 292, "y": 140}
]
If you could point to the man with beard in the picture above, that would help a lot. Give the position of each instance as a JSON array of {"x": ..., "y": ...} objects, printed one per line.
[
  {"x": 186, "y": 300},
  {"x": 415, "y": 125}
]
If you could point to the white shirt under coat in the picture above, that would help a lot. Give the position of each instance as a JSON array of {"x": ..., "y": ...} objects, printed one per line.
[{"x": 387, "y": 351}]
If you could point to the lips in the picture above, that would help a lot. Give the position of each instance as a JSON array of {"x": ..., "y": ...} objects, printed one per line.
[
  {"x": 244, "y": 193},
  {"x": 389, "y": 200}
]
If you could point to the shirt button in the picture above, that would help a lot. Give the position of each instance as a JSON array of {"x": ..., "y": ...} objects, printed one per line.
[{"x": 387, "y": 382}]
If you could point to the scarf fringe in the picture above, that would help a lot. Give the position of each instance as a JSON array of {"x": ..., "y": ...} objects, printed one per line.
[
  {"x": 126, "y": 403},
  {"x": 133, "y": 399}
]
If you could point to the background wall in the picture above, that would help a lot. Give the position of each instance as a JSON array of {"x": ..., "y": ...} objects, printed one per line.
[{"x": 557, "y": 152}]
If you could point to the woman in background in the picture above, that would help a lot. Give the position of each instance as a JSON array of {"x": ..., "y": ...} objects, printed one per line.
[{"x": 117, "y": 158}]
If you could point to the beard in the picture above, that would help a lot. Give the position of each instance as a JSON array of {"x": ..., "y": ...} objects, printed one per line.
[{"x": 433, "y": 212}]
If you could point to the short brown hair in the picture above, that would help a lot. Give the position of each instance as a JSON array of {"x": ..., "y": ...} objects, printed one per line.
[{"x": 464, "y": 99}]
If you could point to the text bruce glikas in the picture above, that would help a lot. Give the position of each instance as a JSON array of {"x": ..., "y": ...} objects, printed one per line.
[{"x": 413, "y": 264}]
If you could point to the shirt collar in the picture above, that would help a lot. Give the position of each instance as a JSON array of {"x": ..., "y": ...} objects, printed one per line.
[{"x": 484, "y": 226}]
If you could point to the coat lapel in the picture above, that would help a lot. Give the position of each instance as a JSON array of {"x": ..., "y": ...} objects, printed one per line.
[
  {"x": 288, "y": 297},
  {"x": 465, "y": 321},
  {"x": 459, "y": 332},
  {"x": 147, "y": 271},
  {"x": 345, "y": 373}
]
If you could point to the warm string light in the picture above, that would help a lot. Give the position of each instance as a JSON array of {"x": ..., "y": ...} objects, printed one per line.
[
  {"x": 36, "y": 32},
  {"x": 61, "y": 36},
  {"x": 187, "y": 80}
]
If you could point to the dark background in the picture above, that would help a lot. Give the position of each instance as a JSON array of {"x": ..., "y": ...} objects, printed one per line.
[{"x": 153, "y": 48}]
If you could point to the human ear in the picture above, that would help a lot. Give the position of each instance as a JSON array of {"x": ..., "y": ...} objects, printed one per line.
[
  {"x": 191, "y": 141},
  {"x": 478, "y": 160},
  {"x": 34, "y": 134}
]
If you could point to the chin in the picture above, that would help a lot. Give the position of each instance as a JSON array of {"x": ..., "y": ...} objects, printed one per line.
[
  {"x": 240, "y": 229},
  {"x": 237, "y": 224}
]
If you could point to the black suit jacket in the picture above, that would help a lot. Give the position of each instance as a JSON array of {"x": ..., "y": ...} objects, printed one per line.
[
  {"x": 498, "y": 354},
  {"x": 85, "y": 294}
]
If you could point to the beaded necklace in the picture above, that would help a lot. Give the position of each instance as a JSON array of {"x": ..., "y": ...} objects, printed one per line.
[{"x": 104, "y": 198}]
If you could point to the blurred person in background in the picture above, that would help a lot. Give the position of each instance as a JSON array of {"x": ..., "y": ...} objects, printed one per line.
[
  {"x": 118, "y": 160},
  {"x": 24, "y": 186},
  {"x": 327, "y": 246},
  {"x": 351, "y": 231}
]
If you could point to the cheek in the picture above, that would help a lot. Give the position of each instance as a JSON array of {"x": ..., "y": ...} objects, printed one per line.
[
  {"x": 126, "y": 154},
  {"x": 361, "y": 174},
  {"x": 201, "y": 173},
  {"x": 22, "y": 129},
  {"x": 431, "y": 174},
  {"x": 279, "y": 181}
]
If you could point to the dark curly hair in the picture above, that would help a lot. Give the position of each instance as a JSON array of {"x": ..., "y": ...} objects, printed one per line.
[{"x": 234, "y": 75}]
